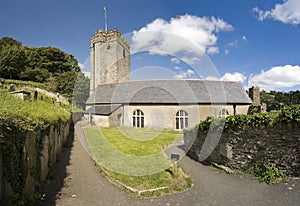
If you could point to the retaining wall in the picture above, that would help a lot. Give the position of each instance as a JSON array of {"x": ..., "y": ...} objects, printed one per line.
[
  {"x": 37, "y": 165},
  {"x": 280, "y": 145}
]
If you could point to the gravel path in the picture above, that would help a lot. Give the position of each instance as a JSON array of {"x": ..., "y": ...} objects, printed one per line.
[{"x": 77, "y": 182}]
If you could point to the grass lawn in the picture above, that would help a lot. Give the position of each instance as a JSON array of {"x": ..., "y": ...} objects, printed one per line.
[{"x": 135, "y": 157}]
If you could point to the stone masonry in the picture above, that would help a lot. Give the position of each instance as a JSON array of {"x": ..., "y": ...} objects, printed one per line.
[
  {"x": 109, "y": 58},
  {"x": 280, "y": 145}
]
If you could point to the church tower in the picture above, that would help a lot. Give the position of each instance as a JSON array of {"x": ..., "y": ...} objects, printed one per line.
[{"x": 109, "y": 58}]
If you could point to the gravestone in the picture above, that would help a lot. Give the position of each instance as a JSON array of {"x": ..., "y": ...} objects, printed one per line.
[
  {"x": 35, "y": 96},
  {"x": 12, "y": 88},
  {"x": 57, "y": 102}
]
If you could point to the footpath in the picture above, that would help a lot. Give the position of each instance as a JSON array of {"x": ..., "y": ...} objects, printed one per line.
[{"x": 77, "y": 182}]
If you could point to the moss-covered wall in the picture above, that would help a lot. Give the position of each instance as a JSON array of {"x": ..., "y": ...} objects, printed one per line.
[{"x": 36, "y": 154}]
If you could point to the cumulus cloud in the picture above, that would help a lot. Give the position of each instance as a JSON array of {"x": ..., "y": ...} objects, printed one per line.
[
  {"x": 182, "y": 36},
  {"x": 234, "y": 77},
  {"x": 185, "y": 74},
  {"x": 278, "y": 77},
  {"x": 175, "y": 60},
  {"x": 213, "y": 50},
  {"x": 288, "y": 12}
]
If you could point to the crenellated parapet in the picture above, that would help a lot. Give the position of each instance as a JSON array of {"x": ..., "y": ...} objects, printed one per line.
[{"x": 106, "y": 36}]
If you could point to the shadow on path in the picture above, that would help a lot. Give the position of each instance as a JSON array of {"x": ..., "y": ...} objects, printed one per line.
[{"x": 57, "y": 174}]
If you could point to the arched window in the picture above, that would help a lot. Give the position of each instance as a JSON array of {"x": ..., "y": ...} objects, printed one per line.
[
  {"x": 138, "y": 119},
  {"x": 182, "y": 119},
  {"x": 223, "y": 113}
]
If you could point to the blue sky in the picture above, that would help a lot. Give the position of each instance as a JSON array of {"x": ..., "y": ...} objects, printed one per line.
[{"x": 254, "y": 41}]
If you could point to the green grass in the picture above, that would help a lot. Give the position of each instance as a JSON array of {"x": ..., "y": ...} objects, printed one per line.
[
  {"x": 21, "y": 83},
  {"x": 138, "y": 142},
  {"x": 135, "y": 157},
  {"x": 29, "y": 114}
]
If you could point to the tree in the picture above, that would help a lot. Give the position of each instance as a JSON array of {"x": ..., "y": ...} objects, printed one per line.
[
  {"x": 12, "y": 62},
  {"x": 52, "y": 66},
  {"x": 8, "y": 41},
  {"x": 35, "y": 74},
  {"x": 52, "y": 59},
  {"x": 81, "y": 91},
  {"x": 65, "y": 83}
]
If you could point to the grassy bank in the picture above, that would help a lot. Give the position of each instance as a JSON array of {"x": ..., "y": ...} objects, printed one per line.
[
  {"x": 18, "y": 119},
  {"x": 28, "y": 115}
]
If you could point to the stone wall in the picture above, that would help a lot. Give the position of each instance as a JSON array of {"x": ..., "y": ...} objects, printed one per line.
[
  {"x": 280, "y": 145},
  {"x": 37, "y": 165}
]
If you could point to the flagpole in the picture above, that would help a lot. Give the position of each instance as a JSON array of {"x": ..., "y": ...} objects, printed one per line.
[{"x": 105, "y": 19}]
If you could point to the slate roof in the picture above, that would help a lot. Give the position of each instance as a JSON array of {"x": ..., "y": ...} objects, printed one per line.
[
  {"x": 170, "y": 91},
  {"x": 103, "y": 109}
]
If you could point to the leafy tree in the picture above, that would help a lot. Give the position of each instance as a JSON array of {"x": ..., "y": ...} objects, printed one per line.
[
  {"x": 65, "y": 83},
  {"x": 52, "y": 66},
  {"x": 8, "y": 41},
  {"x": 276, "y": 100},
  {"x": 35, "y": 74},
  {"x": 81, "y": 91},
  {"x": 12, "y": 62},
  {"x": 52, "y": 59}
]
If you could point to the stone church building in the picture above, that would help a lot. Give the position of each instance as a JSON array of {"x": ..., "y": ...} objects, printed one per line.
[{"x": 173, "y": 103}]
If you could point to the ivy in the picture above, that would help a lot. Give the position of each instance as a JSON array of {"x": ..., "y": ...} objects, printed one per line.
[{"x": 256, "y": 121}]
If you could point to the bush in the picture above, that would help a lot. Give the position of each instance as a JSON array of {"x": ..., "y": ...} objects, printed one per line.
[
  {"x": 267, "y": 172},
  {"x": 259, "y": 120}
]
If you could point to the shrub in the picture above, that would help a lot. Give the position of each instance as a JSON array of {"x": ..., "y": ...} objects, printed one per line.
[{"x": 267, "y": 172}]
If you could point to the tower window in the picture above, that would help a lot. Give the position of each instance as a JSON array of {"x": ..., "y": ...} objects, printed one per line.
[
  {"x": 124, "y": 54},
  {"x": 182, "y": 120},
  {"x": 138, "y": 119}
]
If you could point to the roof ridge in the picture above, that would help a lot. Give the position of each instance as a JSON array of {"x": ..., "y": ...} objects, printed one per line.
[{"x": 153, "y": 80}]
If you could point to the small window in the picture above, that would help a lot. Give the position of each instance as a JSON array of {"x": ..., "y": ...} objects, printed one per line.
[
  {"x": 223, "y": 113},
  {"x": 124, "y": 54},
  {"x": 182, "y": 120},
  {"x": 138, "y": 119}
]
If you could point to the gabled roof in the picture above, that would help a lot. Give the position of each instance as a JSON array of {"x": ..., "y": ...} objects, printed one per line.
[{"x": 171, "y": 91}]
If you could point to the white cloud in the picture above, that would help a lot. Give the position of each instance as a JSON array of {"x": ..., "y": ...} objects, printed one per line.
[
  {"x": 185, "y": 75},
  {"x": 226, "y": 51},
  {"x": 81, "y": 66},
  {"x": 229, "y": 77},
  {"x": 234, "y": 77},
  {"x": 177, "y": 68},
  {"x": 211, "y": 78},
  {"x": 175, "y": 60},
  {"x": 233, "y": 44},
  {"x": 244, "y": 38},
  {"x": 213, "y": 50},
  {"x": 278, "y": 77},
  {"x": 288, "y": 12},
  {"x": 182, "y": 36}
]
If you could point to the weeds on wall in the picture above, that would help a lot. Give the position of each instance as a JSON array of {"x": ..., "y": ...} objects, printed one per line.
[{"x": 267, "y": 172}]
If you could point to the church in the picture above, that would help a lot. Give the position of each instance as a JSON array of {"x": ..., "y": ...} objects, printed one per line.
[{"x": 175, "y": 104}]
